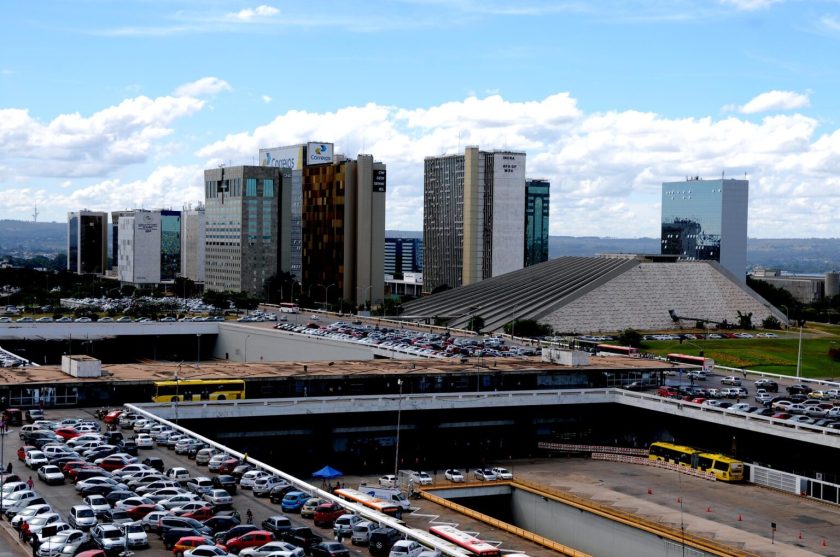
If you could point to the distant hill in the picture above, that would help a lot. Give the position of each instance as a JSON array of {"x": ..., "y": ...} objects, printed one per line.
[
  {"x": 799, "y": 255},
  {"x": 27, "y": 238}
]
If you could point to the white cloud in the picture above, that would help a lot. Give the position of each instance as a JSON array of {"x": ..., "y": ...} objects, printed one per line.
[
  {"x": 73, "y": 145},
  {"x": 266, "y": 99},
  {"x": 251, "y": 14},
  {"x": 204, "y": 87},
  {"x": 775, "y": 101},
  {"x": 750, "y": 5},
  {"x": 605, "y": 168}
]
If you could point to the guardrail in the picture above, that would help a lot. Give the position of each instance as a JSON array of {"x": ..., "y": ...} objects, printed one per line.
[
  {"x": 604, "y": 449},
  {"x": 655, "y": 464}
]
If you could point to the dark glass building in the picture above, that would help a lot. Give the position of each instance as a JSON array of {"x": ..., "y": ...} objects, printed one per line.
[
  {"x": 536, "y": 221},
  {"x": 87, "y": 242},
  {"x": 403, "y": 255}
]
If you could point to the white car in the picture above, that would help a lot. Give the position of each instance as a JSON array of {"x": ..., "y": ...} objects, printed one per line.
[
  {"x": 35, "y": 459},
  {"x": 248, "y": 478},
  {"x": 423, "y": 478},
  {"x": 29, "y": 512},
  {"x": 344, "y": 524},
  {"x": 502, "y": 473},
  {"x": 144, "y": 441},
  {"x": 206, "y": 551},
  {"x": 150, "y": 521},
  {"x": 276, "y": 548},
  {"x": 453, "y": 475},
  {"x": 484, "y": 474},
  {"x": 81, "y": 517},
  {"x": 178, "y": 501},
  {"x": 96, "y": 502},
  {"x": 51, "y": 474},
  {"x": 388, "y": 480},
  {"x": 406, "y": 548},
  {"x": 262, "y": 486},
  {"x": 134, "y": 533},
  {"x": 52, "y": 546},
  {"x": 218, "y": 498},
  {"x": 178, "y": 474}
]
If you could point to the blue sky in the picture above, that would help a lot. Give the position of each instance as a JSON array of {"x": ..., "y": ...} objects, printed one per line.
[{"x": 112, "y": 104}]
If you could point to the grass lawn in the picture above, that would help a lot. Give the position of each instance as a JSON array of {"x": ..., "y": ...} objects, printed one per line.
[{"x": 773, "y": 355}]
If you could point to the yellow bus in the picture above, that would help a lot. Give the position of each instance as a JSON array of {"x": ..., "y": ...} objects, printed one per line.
[
  {"x": 199, "y": 389},
  {"x": 724, "y": 468}
]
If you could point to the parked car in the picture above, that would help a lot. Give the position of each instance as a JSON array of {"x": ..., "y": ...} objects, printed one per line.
[
  {"x": 343, "y": 525},
  {"x": 51, "y": 474},
  {"x": 502, "y": 473},
  {"x": 361, "y": 532},
  {"x": 388, "y": 480},
  {"x": 381, "y": 540},
  {"x": 109, "y": 538},
  {"x": 81, "y": 517},
  {"x": 189, "y": 542},
  {"x": 406, "y": 548},
  {"x": 453, "y": 475},
  {"x": 484, "y": 474},
  {"x": 226, "y": 482},
  {"x": 293, "y": 501},
  {"x": 326, "y": 513},
  {"x": 277, "y": 524},
  {"x": 798, "y": 389},
  {"x": 768, "y": 385},
  {"x": 275, "y": 548},
  {"x": 308, "y": 508},
  {"x": 255, "y": 538},
  {"x": 731, "y": 380},
  {"x": 329, "y": 549}
]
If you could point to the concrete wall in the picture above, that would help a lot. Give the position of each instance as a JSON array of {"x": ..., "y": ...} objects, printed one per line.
[
  {"x": 585, "y": 531},
  {"x": 242, "y": 343}
]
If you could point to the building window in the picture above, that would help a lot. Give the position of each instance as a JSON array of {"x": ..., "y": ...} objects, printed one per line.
[
  {"x": 250, "y": 187},
  {"x": 268, "y": 188}
]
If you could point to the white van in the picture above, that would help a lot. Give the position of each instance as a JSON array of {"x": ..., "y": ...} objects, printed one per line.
[{"x": 394, "y": 496}]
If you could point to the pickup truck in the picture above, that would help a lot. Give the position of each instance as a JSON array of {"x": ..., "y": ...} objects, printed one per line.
[{"x": 301, "y": 537}]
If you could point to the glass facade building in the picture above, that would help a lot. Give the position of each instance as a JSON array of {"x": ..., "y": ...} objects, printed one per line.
[
  {"x": 170, "y": 245},
  {"x": 403, "y": 255},
  {"x": 87, "y": 242},
  {"x": 707, "y": 220},
  {"x": 536, "y": 221}
]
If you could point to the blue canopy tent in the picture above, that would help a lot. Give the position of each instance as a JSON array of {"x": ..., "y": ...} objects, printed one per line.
[{"x": 327, "y": 472}]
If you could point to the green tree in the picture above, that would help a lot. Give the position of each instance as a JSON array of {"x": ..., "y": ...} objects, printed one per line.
[
  {"x": 770, "y": 322},
  {"x": 745, "y": 320},
  {"x": 476, "y": 323},
  {"x": 527, "y": 328},
  {"x": 630, "y": 337}
]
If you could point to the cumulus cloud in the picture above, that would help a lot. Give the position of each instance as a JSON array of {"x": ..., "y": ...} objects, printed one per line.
[
  {"x": 73, "y": 145},
  {"x": 775, "y": 101},
  {"x": 605, "y": 168},
  {"x": 204, "y": 87},
  {"x": 251, "y": 14}
]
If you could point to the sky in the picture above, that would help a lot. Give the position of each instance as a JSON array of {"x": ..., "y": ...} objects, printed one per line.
[{"x": 120, "y": 104}]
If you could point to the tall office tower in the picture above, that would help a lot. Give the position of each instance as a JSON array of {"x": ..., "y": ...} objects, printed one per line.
[
  {"x": 474, "y": 217},
  {"x": 87, "y": 242},
  {"x": 149, "y": 248},
  {"x": 707, "y": 219},
  {"x": 243, "y": 231},
  {"x": 115, "y": 237},
  {"x": 403, "y": 255},
  {"x": 336, "y": 220},
  {"x": 193, "y": 226},
  {"x": 536, "y": 221}
]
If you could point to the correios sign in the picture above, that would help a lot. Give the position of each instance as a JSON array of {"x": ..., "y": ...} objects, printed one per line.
[
  {"x": 319, "y": 153},
  {"x": 283, "y": 157}
]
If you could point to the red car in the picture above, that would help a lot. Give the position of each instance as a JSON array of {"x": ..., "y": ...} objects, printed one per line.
[
  {"x": 74, "y": 472},
  {"x": 139, "y": 511},
  {"x": 190, "y": 542},
  {"x": 326, "y": 513},
  {"x": 67, "y": 432},
  {"x": 112, "y": 417},
  {"x": 92, "y": 553},
  {"x": 25, "y": 449},
  {"x": 201, "y": 514},
  {"x": 112, "y": 463},
  {"x": 255, "y": 538},
  {"x": 73, "y": 465},
  {"x": 228, "y": 465}
]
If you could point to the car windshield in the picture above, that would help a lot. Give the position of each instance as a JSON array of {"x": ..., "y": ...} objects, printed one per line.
[
  {"x": 134, "y": 528},
  {"x": 111, "y": 534},
  {"x": 84, "y": 513},
  {"x": 39, "y": 520}
]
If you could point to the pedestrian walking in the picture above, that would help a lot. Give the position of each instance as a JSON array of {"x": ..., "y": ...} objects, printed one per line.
[
  {"x": 29, "y": 482},
  {"x": 249, "y": 517},
  {"x": 9, "y": 468},
  {"x": 24, "y": 531}
]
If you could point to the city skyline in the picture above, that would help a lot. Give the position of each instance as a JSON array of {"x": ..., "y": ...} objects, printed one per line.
[{"x": 122, "y": 105}]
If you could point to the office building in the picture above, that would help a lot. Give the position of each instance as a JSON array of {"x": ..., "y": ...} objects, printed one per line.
[
  {"x": 193, "y": 227},
  {"x": 536, "y": 221},
  {"x": 474, "y": 217},
  {"x": 242, "y": 230},
  {"x": 149, "y": 249},
  {"x": 707, "y": 220},
  {"x": 403, "y": 255},
  {"x": 334, "y": 215},
  {"x": 115, "y": 237},
  {"x": 87, "y": 242}
]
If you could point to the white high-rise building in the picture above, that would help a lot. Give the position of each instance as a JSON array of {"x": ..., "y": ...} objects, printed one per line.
[
  {"x": 193, "y": 226},
  {"x": 149, "y": 246}
]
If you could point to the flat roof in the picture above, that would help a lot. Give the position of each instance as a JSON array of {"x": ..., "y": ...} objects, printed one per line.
[{"x": 222, "y": 369}]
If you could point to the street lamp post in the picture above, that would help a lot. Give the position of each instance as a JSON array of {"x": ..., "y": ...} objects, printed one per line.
[
  {"x": 799, "y": 353},
  {"x": 177, "y": 393},
  {"x": 326, "y": 295},
  {"x": 197, "y": 349},
  {"x": 399, "y": 415}
]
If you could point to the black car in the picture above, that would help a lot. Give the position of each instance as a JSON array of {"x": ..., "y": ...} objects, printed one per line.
[
  {"x": 277, "y": 493},
  {"x": 128, "y": 447},
  {"x": 228, "y": 483},
  {"x": 768, "y": 385},
  {"x": 167, "y": 523},
  {"x": 221, "y": 522},
  {"x": 798, "y": 389},
  {"x": 193, "y": 450},
  {"x": 119, "y": 495},
  {"x": 154, "y": 462},
  {"x": 236, "y": 531},
  {"x": 381, "y": 540},
  {"x": 330, "y": 549}
]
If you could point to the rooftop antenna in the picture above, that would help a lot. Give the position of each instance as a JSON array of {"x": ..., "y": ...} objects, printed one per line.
[{"x": 35, "y": 213}]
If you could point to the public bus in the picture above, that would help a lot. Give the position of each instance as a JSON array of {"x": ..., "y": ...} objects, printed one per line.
[
  {"x": 724, "y": 468},
  {"x": 369, "y": 501},
  {"x": 287, "y": 307},
  {"x": 707, "y": 364},
  {"x": 615, "y": 349},
  {"x": 465, "y": 541},
  {"x": 199, "y": 389}
]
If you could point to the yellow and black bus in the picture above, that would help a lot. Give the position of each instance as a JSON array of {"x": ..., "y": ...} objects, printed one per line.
[
  {"x": 199, "y": 389},
  {"x": 724, "y": 468}
]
